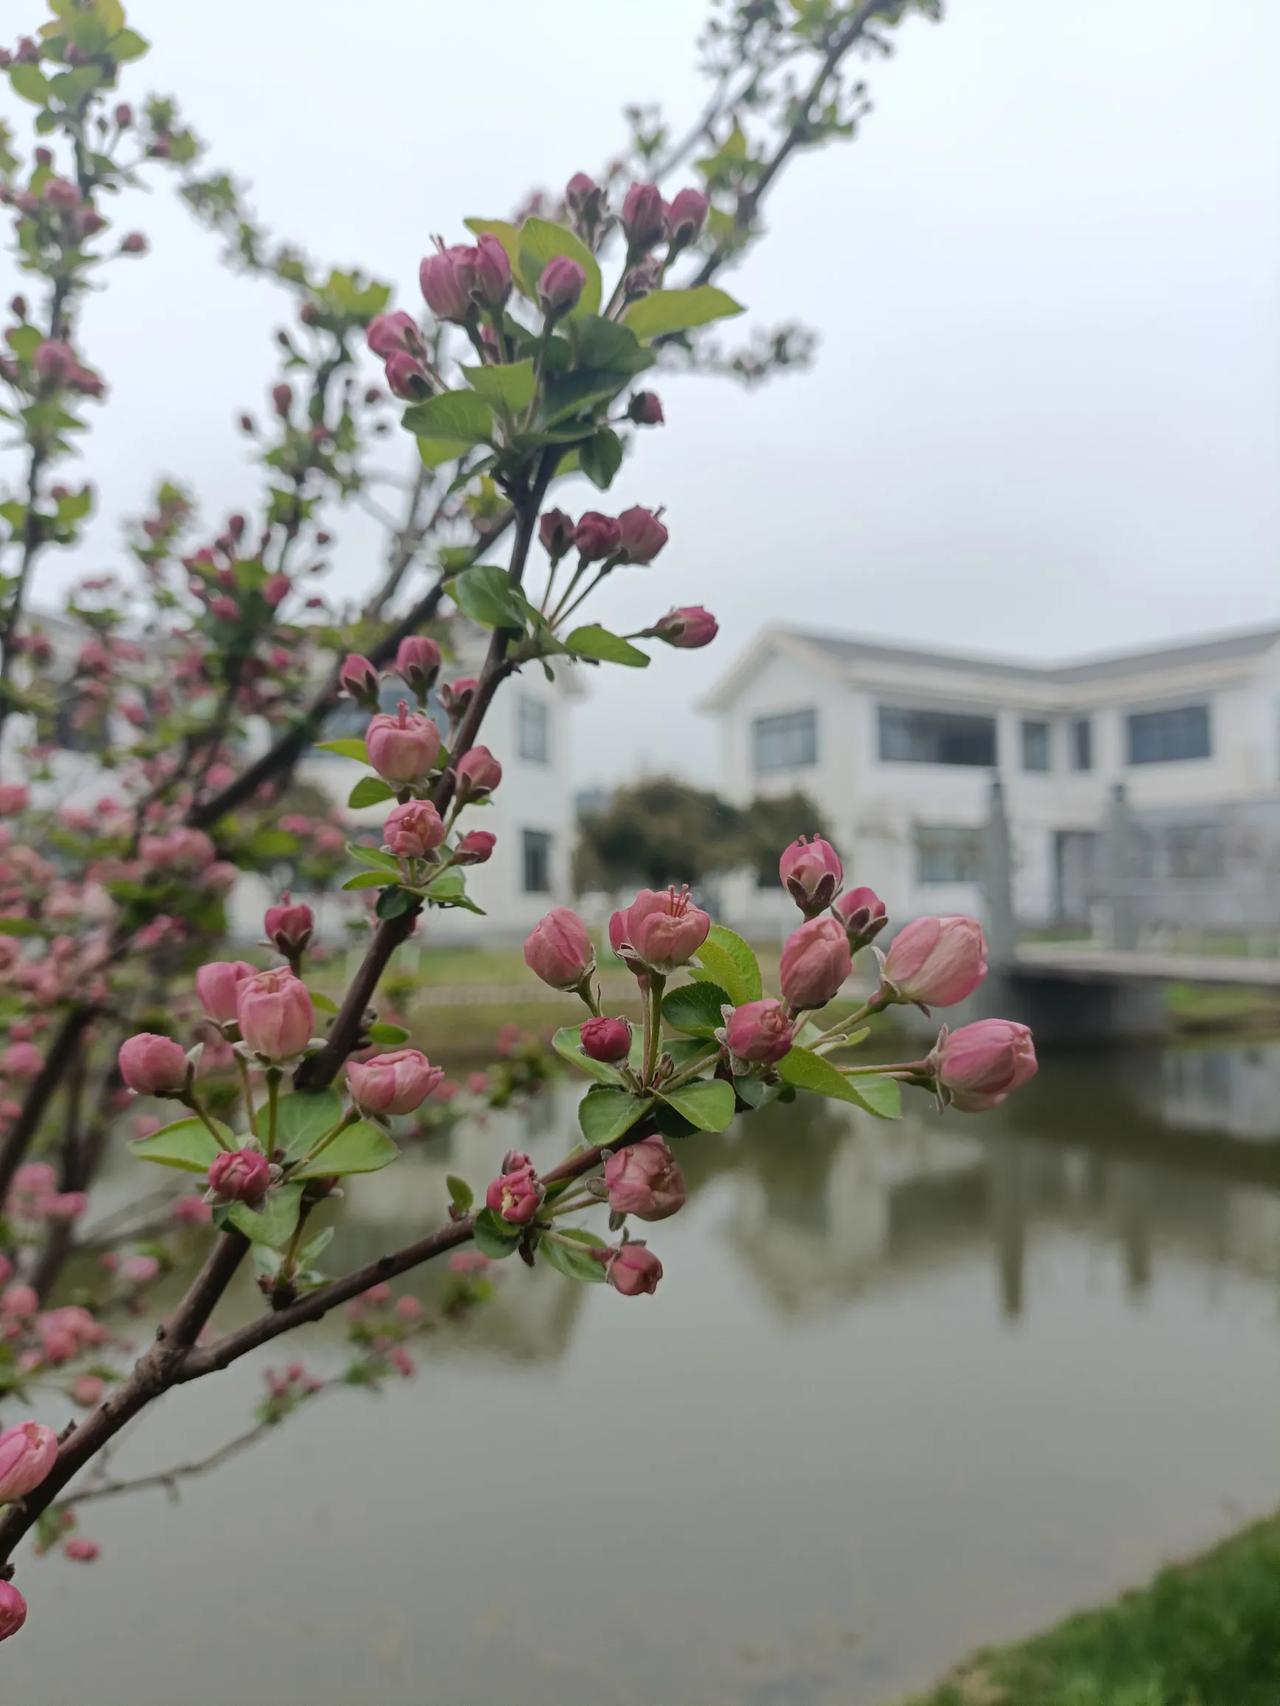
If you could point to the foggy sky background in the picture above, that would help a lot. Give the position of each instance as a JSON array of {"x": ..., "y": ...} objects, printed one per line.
[{"x": 1043, "y": 416}]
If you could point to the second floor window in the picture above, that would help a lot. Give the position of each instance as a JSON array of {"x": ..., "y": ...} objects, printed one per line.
[
  {"x": 936, "y": 737},
  {"x": 533, "y": 731},
  {"x": 788, "y": 741},
  {"x": 1082, "y": 744},
  {"x": 1035, "y": 745},
  {"x": 1165, "y": 737}
]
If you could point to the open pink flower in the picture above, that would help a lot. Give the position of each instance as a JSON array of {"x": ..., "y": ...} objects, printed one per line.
[
  {"x": 660, "y": 930},
  {"x": 27, "y": 1454}
]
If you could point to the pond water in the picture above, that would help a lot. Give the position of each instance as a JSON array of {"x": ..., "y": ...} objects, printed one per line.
[{"x": 904, "y": 1390}]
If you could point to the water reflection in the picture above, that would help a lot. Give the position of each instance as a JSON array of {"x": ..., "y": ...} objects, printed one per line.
[{"x": 1042, "y": 1343}]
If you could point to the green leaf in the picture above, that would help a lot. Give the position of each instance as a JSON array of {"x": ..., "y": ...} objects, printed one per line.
[
  {"x": 303, "y": 1116},
  {"x": 389, "y": 1036},
  {"x": 393, "y": 901},
  {"x": 606, "y": 1114},
  {"x": 572, "y": 1257},
  {"x": 128, "y": 45},
  {"x": 506, "y": 233},
  {"x": 367, "y": 880},
  {"x": 609, "y": 347},
  {"x": 508, "y": 387},
  {"x": 601, "y": 457},
  {"x": 567, "y": 1042},
  {"x": 724, "y": 958},
  {"x": 707, "y": 1103},
  {"x": 322, "y": 1003},
  {"x": 460, "y": 1193},
  {"x": 542, "y": 241},
  {"x": 186, "y": 1144},
  {"x": 345, "y": 748},
  {"x": 29, "y": 82},
  {"x": 374, "y": 857},
  {"x": 813, "y": 1072},
  {"x": 488, "y": 595},
  {"x": 20, "y": 927},
  {"x": 494, "y": 1236},
  {"x": 450, "y": 889},
  {"x": 594, "y": 641},
  {"x": 449, "y": 425},
  {"x": 370, "y": 791},
  {"x": 664, "y": 311},
  {"x": 695, "y": 1007},
  {"x": 273, "y": 1224},
  {"x": 361, "y": 1148}
]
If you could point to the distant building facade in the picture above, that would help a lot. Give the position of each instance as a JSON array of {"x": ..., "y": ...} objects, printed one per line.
[{"x": 900, "y": 745}]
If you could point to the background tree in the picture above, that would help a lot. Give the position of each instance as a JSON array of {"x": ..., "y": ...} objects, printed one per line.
[{"x": 654, "y": 831}]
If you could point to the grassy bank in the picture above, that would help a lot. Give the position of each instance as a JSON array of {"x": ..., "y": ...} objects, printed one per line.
[{"x": 1205, "y": 1633}]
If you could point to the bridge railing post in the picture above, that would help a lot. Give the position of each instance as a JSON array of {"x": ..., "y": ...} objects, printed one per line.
[
  {"x": 999, "y": 921},
  {"x": 1118, "y": 869}
]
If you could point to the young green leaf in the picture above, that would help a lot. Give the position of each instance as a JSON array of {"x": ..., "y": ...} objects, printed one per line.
[
  {"x": 450, "y": 424},
  {"x": 303, "y": 1116},
  {"x": 707, "y": 1104},
  {"x": 724, "y": 958},
  {"x": 508, "y": 387},
  {"x": 494, "y": 1236},
  {"x": 606, "y": 1114},
  {"x": 186, "y": 1144},
  {"x": 593, "y": 641},
  {"x": 601, "y": 457},
  {"x": 488, "y": 595},
  {"x": 360, "y": 1148},
  {"x": 571, "y": 1258},
  {"x": 273, "y": 1223},
  {"x": 460, "y": 1193},
  {"x": 345, "y": 749},
  {"x": 815, "y": 1073},
  {"x": 666, "y": 311},
  {"x": 695, "y": 1008},
  {"x": 542, "y": 241},
  {"x": 370, "y": 791}
]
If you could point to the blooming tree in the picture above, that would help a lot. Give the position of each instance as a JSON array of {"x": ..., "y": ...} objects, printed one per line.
[{"x": 202, "y": 678}]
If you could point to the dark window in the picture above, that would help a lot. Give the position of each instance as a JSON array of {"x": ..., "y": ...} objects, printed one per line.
[
  {"x": 948, "y": 853},
  {"x": 1082, "y": 744},
  {"x": 1164, "y": 737},
  {"x": 533, "y": 736},
  {"x": 936, "y": 737},
  {"x": 536, "y": 855},
  {"x": 1035, "y": 746},
  {"x": 80, "y": 724},
  {"x": 785, "y": 742}
]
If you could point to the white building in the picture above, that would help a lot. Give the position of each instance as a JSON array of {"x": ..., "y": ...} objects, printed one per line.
[{"x": 899, "y": 746}]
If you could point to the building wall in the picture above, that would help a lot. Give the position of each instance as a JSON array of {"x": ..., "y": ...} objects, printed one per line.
[{"x": 875, "y": 808}]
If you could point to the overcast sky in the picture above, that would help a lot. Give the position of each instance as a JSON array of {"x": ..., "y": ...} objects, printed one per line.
[{"x": 1044, "y": 413}]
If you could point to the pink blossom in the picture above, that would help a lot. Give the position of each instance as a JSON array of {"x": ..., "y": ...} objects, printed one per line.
[
  {"x": 977, "y": 1066},
  {"x": 153, "y": 1065},
  {"x": 559, "y": 950},
  {"x": 815, "y": 963},
  {"x": 475, "y": 847},
  {"x": 413, "y": 830},
  {"x": 289, "y": 925},
  {"x": 242, "y": 1175},
  {"x": 27, "y": 1454},
  {"x": 478, "y": 773},
  {"x": 516, "y": 1194},
  {"x": 275, "y": 1015},
  {"x": 760, "y": 1031},
  {"x": 395, "y": 1083},
  {"x": 218, "y": 987},
  {"x": 811, "y": 872},
  {"x": 13, "y": 1610},
  {"x": 644, "y": 1179},
  {"x": 402, "y": 748},
  {"x": 936, "y": 962},
  {"x": 604, "y": 1039},
  {"x": 80, "y": 1550},
  {"x": 632, "y": 1269},
  {"x": 661, "y": 929}
]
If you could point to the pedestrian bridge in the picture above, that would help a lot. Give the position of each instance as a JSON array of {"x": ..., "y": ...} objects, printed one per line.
[{"x": 1085, "y": 962}]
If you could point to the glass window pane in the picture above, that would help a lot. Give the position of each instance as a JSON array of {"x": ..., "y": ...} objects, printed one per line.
[
  {"x": 1082, "y": 744},
  {"x": 948, "y": 853},
  {"x": 1168, "y": 736},
  {"x": 533, "y": 739},
  {"x": 936, "y": 737},
  {"x": 1035, "y": 746},
  {"x": 535, "y": 846},
  {"x": 788, "y": 741}
]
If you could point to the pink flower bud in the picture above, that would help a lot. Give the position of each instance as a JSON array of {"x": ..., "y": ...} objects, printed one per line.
[
  {"x": 811, "y": 872},
  {"x": 688, "y": 627},
  {"x": 81, "y": 1551},
  {"x": 862, "y": 913},
  {"x": 645, "y": 1180},
  {"x": 19, "y": 1302},
  {"x": 816, "y": 960},
  {"x": 13, "y": 1610},
  {"x": 492, "y": 284},
  {"x": 402, "y": 748},
  {"x": 243, "y": 1175},
  {"x": 406, "y": 377},
  {"x": 475, "y": 847},
  {"x": 55, "y": 362},
  {"x": 282, "y": 399},
  {"x": 560, "y": 286},
  {"x": 289, "y": 925},
  {"x": 359, "y": 680},
  {"x": 584, "y": 198},
  {"x": 218, "y": 988},
  {"x": 606, "y": 1039},
  {"x": 643, "y": 216},
  {"x": 87, "y": 1390},
  {"x": 516, "y": 1194},
  {"x": 391, "y": 334},
  {"x": 418, "y": 662},
  {"x": 21, "y": 1060},
  {"x": 275, "y": 1015},
  {"x": 555, "y": 530},
  {"x": 642, "y": 534},
  {"x": 139, "y": 1270},
  {"x": 760, "y": 1031},
  {"x": 13, "y": 799},
  {"x": 686, "y": 216},
  {"x": 936, "y": 962},
  {"x": 446, "y": 279},
  {"x": 394, "y": 1083},
  {"x": 413, "y": 830},
  {"x": 153, "y": 1065},
  {"x": 27, "y": 1454},
  {"x": 976, "y": 1067},
  {"x": 478, "y": 773},
  {"x": 133, "y": 243},
  {"x": 597, "y": 536},
  {"x": 645, "y": 409},
  {"x": 632, "y": 1269},
  {"x": 559, "y": 950},
  {"x": 457, "y": 695},
  {"x": 661, "y": 929}
]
